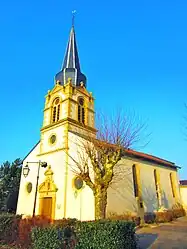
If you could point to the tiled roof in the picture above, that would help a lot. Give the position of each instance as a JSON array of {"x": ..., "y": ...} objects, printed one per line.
[
  {"x": 151, "y": 158},
  {"x": 183, "y": 182},
  {"x": 143, "y": 156}
]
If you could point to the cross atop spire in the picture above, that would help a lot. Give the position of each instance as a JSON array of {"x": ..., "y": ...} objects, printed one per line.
[
  {"x": 71, "y": 65},
  {"x": 73, "y": 17}
]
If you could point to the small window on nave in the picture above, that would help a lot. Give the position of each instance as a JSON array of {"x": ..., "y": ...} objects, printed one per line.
[
  {"x": 56, "y": 110},
  {"x": 172, "y": 184},
  {"x": 81, "y": 110},
  {"x": 156, "y": 183},
  {"x": 135, "y": 181}
]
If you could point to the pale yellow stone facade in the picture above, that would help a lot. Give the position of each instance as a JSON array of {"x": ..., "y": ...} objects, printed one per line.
[{"x": 183, "y": 192}]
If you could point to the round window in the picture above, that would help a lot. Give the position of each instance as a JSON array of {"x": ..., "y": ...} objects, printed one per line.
[
  {"x": 53, "y": 139},
  {"x": 78, "y": 182},
  {"x": 29, "y": 187}
]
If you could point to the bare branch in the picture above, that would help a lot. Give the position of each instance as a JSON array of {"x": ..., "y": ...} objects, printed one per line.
[{"x": 96, "y": 157}]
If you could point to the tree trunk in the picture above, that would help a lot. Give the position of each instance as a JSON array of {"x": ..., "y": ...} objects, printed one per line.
[{"x": 100, "y": 202}]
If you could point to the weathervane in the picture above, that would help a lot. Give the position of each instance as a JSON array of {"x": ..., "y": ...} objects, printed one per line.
[{"x": 73, "y": 17}]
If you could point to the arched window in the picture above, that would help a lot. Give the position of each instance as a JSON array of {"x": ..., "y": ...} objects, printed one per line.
[
  {"x": 135, "y": 181},
  {"x": 156, "y": 183},
  {"x": 81, "y": 111},
  {"x": 56, "y": 110},
  {"x": 172, "y": 184}
]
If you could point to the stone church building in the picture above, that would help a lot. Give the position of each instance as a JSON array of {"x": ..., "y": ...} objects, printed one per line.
[{"x": 55, "y": 191}]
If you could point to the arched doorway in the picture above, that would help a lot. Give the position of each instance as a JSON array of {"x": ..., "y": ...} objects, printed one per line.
[{"x": 47, "y": 195}]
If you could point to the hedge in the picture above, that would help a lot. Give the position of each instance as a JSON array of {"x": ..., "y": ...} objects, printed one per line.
[
  {"x": 73, "y": 234},
  {"x": 86, "y": 235},
  {"x": 9, "y": 225},
  {"x": 53, "y": 237},
  {"x": 106, "y": 234}
]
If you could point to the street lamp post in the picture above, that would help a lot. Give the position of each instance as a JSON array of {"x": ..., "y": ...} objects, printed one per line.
[{"x": 26, "y": 171}]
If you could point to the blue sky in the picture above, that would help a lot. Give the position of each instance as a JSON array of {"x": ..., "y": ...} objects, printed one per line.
[{"x": 133, "y": 53}]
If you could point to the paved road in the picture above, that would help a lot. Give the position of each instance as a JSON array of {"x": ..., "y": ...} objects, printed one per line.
[{"x": 166, "y": 236}]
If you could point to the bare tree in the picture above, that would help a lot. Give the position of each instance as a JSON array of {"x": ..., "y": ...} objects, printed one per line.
[{"x": 97, "y": 156}]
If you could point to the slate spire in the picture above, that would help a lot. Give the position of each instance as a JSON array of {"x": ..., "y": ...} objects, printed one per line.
[
  {"x": 71, "y": 59},
  {"x": 71, "y": 65}
]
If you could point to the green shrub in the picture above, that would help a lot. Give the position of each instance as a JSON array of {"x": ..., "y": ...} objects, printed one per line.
[
  {"x": 84, "y": 235},
  {"x": 9, "y": 224},
  {"x": 53, "y": 237},
  {"x": 65, "y": 222},
  {"x": 106, "y": 235}
]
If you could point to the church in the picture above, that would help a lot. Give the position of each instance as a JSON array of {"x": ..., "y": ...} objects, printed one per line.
[{"x": 49, "y": 186}]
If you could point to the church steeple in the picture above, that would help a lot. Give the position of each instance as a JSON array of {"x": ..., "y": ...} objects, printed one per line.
[
  {"x": 71, "y": 59},
  {"x": 71, "y": 66},
  {"x": 69, "y": 107}
]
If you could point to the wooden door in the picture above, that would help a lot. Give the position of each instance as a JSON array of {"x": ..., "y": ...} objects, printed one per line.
[{"x": 46, "y": 209}]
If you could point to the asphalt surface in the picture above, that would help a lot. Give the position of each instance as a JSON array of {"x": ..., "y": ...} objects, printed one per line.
[{"x": 164, "y": 236}]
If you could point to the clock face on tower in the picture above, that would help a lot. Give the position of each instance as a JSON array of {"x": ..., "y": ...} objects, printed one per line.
[{"x": 52, "y": 139}]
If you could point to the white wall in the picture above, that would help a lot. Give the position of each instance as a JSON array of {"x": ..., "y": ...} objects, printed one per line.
[
  {"x": 121, "y": 191},
  {"x": 56, "y": 161},
  {"x": 121, "y": 194},
  {"x": 60, "y": 141},
  {"x": 82, "y": 206}
]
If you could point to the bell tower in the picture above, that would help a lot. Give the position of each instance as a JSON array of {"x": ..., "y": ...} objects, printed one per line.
[{"x": 68, "y": 106}]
